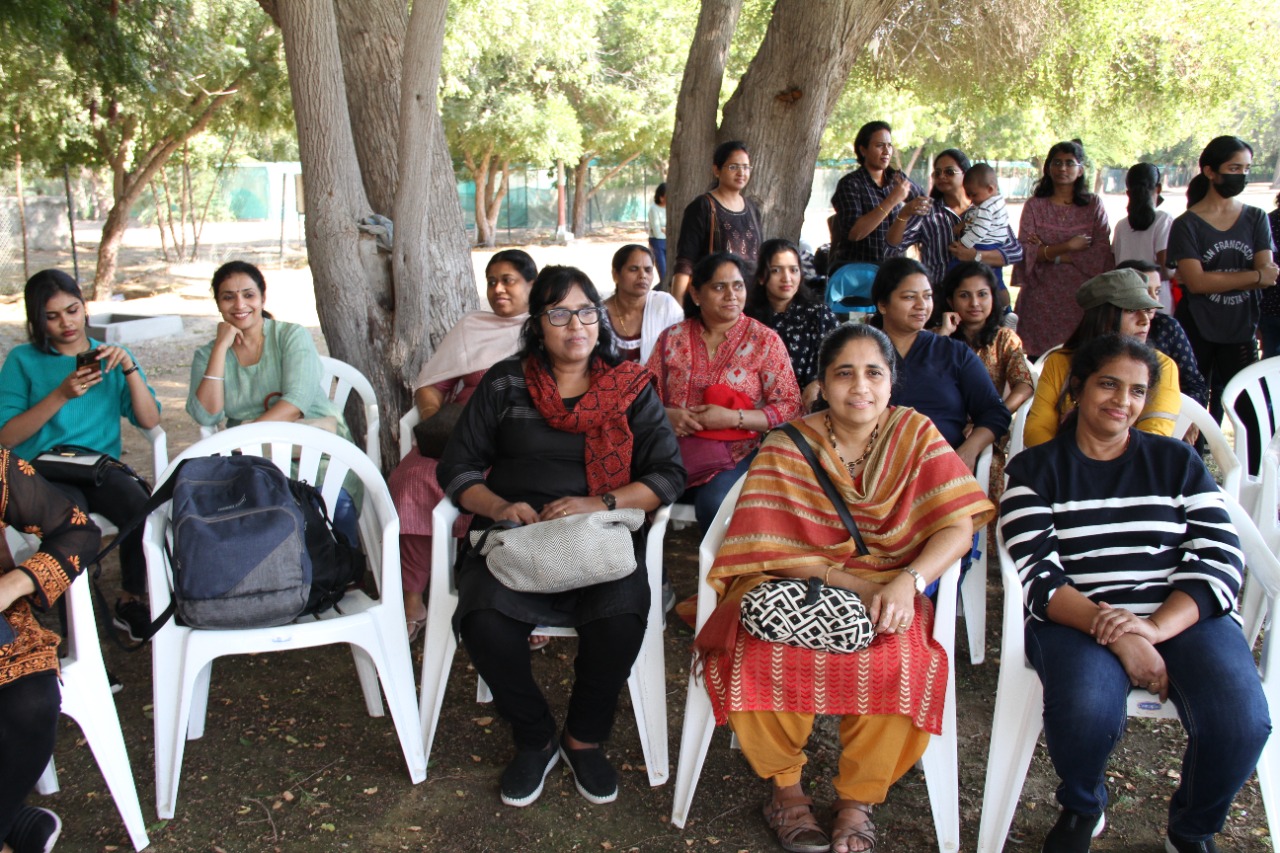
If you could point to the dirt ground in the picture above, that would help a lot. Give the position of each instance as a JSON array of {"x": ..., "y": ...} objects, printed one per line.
[{"x": 291, "y": 762}]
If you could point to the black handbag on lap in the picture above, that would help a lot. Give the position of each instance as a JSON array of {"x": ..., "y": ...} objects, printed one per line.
[{"x": 73, "y": 465}]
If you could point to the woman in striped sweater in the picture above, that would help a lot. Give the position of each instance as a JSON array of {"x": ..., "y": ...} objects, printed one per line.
[{"x": 1130, "y": 571}]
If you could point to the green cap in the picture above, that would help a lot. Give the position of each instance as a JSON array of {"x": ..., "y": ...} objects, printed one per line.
[{"x": 1121, "y": 288}]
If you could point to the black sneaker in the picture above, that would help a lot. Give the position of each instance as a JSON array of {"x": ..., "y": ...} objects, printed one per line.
[
  {"x": 593, "y": 775},
  {"x": 34, "y": 830},
  {"x": 1174, "y": 844},
  {"x": 132, "y": 617},
  {"x": 1073, "y": 832},
  {"x": 522, "y": 779},
  {"x": 114, "y": 683}
]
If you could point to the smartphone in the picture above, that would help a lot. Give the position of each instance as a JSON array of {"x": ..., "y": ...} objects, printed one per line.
[{"x": 87, "y": 359}]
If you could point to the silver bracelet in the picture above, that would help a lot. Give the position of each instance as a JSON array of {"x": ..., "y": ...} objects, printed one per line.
[{"x": 215, "y": 378}]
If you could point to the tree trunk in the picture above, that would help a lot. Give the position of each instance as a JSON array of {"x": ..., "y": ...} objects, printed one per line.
[
  {"x": 434, "y": 281},
  {"x": 495, "y": 191},
  {"x": 109, "y": 249},
  {"x": 352, "y": 282},
  {"x": 371, "y": 40},
  {"x": 479, "y": 169},
  {"x": 783, "y": 102},
  {"x": 695, "y": 133},
  {"x": 581, "y": 195}
]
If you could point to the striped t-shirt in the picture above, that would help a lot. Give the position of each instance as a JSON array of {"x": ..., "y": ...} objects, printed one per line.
[{"x": 1127, "y": 531}]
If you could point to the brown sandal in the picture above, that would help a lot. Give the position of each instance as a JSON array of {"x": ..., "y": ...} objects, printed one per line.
[
  {"x": 843, "y": 826},
  {"x": 793, "y": 822}
]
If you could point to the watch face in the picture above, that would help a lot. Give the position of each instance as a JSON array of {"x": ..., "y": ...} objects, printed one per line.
[{"x": 609, "y": 500}]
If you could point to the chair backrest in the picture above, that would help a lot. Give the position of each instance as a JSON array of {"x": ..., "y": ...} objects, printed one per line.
[
  {"x": 1018, "y": 430},
  {"x": 1193, "y": 414},
  {"x": 410, "y": 420},
  {"x": 710, "y": 546},
  {"x": 1039, "y": 362},
  {"x": 1260, "y": 383},
  {"x": 338, "y": 381},
  {"x": 304, "y": 453}
]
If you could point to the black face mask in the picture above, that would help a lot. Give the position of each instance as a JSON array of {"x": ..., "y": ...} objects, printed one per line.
[{"x": 1230, "y": 186}]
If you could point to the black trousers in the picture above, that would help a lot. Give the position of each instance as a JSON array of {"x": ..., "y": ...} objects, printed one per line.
[
  {"x": 1218, "y": 363},
  {"x": 120, "y": 499},
  {"x": 498, "y": 646},
  {"x": 28, "y": 722}
]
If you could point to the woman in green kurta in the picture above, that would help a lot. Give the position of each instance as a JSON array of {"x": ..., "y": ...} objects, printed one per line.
[{"x": 260, "y": 369}]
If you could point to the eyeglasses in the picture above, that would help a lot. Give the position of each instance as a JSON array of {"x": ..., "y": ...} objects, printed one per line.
[
  {"x": 950, "y": 173},
  {"x": 738, "y": 167},
  {"x": 561, "y": 316},
  {"x": 505, "y": 281},
  {"x": 1064, "y": 164},
  {"x": 721, "y": 286}
]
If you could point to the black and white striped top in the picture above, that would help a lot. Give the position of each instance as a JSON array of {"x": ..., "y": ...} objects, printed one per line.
[{"x": 1127, "y": 531}]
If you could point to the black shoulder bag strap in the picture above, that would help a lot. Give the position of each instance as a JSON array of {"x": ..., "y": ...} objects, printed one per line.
[{"x": 827, "y": 486}]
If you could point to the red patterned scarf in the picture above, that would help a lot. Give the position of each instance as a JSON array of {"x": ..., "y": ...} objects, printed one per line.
[{"x": 600, "y": 415}]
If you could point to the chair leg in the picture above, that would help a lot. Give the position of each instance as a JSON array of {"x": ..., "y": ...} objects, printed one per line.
[
  {"x": 1015, "y": 729},
  {"x": 367, "y": 672},
  {"x": 647, "y": 683},
  {"x": 973, "y": 597},
  {"x": 437, "y": 655},
  {"x": 171, "y": 708},
  {"x": 483, "y": 694},
  {"x": 397, "y": 683},
  {"x": 200, "y": 702},
  {"x": 102, "y": 731},
  {"x": 941, "y": 767},
  {"x": 695, "y": 739},
  {"x": 47, "y": 784}
]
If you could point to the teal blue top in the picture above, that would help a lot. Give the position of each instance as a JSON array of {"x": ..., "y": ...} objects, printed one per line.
[
  {"x": 92, "y": 421},
  {"x": 289, "y": 365}
]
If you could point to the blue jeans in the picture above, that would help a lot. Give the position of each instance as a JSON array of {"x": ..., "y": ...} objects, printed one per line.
[
  {"x": 706, "y": 499},
  {"x": 659, "y": 257},
  {"x": 1213, "y": 683}
]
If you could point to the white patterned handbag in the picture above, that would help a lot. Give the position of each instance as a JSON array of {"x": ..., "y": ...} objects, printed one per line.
[
  {"x": 808, "y": 614},
  {"x": 561, "y": 554}
]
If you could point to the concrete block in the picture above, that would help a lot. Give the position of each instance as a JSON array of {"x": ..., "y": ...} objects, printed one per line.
[{"x": 127, "y": 328}]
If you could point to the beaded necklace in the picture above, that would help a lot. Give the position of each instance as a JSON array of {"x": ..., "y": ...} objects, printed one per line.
[{"x": 831, "y": 435}]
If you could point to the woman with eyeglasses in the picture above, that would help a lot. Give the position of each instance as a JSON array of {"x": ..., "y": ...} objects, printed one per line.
[
  {"x": 445, "y": 383},
  {"x": 721, "y": 220},
  {"x": 1222, "y": 249},
  {"x": 725, "y": 379},
  {"x": 564, "y": 427},
  {"x": 930, "y": 223},
  {"x": 1066, "y": 241}
]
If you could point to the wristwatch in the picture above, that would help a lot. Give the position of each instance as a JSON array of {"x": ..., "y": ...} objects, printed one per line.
[
  {"x": 610, "y": 501},
  {"x": 919, "y": 578}
]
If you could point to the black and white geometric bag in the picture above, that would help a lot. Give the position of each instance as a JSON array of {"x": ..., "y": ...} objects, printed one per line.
[{"x": 808, "y": 614}]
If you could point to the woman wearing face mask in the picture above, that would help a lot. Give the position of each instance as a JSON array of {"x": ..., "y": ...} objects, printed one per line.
[{"x": 1223, "y": 252}]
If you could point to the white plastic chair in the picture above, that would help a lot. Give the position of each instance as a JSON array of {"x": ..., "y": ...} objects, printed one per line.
[
  {"x": 940, "y": 761},
  {"x": 1018, "y": 431},
  {"x": 647, "y": 682},
  {"x": 1020, "y": 695},
  {"x": 338, "y": 381},
  {"x": 410, "y": 420},
  {"x": 1260, "y": 382},
  {"x": 182, "y": 657},
  {"x": 1193, "y": 414},
  {"x": 1269, "y": 496},
  {"x": 87, "y": 699},
  {"x": 973, "y": 589}
]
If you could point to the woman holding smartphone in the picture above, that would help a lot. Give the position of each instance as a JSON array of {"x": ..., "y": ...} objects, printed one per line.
[{"x": 66, "y": 389}]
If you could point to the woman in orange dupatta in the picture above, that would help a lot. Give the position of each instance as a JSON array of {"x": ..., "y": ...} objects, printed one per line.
[{"x": 916, "y": 505}]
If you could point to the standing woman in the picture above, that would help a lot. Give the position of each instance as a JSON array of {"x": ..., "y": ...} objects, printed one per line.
[
  {"x": 1269, "y": 325},
  {"x": 658, "y": 229},
  {"x": 637, "y": 312},
  {"x": 722, "y": 220},
  {"x": 867, "y": 199},
  {"x": 933, "y": 224},
  {"x": 1067, "y": 241},
  {"x": 46, "y": 400},
  {"x": 779, "y": 299},
  {"x": 1143, "y": 235},
  {"x": 1223, "y": 252}
]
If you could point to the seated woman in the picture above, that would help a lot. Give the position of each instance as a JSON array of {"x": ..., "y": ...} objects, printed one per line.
[
  {"x": 779, "y": 299},
  {"x": 259, "y": 369},
  {"x": 48, "y": 399},
  {"x": 969, "y": 290},
  {"x": 940, "y": 377},
  {"x": 1130, "y": 572},
  {"x": 638, "y": 313},
  {"x": 724, "y": 379},
  {"x": 473, "y": 345},
  {"x": 29, "y": 693},
  {"x": 566, "y": 427},
  {"x": 916, "y": 507},
  {"x": 1116, "y": 302}
]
